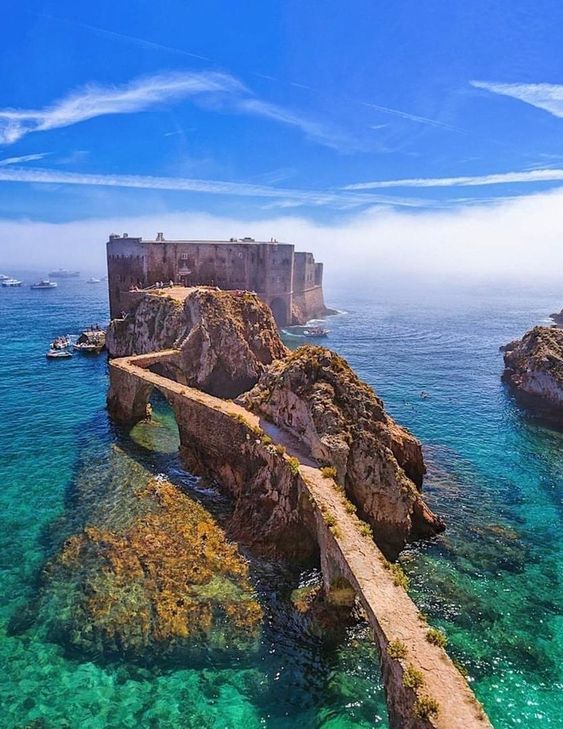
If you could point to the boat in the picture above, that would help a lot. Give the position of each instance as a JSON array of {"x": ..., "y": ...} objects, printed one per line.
[
  {"x": 60, "y": 343},
  {"x": 64, "y": 273},
  {"x": 11, "y": 282},
  {"x": 88, "y": 348},
  {"x": 44, "y": 284},
  {"x": 3, "y": 277},
  {"x": 93, "y": 280},
  {"x": 58, "y": 354},
  {"x": 91, "y": 341},
  {"x": 315, "y": 332}
]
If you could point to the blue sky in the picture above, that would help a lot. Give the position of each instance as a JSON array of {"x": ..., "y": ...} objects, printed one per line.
[{"x": 251, "y": 111}]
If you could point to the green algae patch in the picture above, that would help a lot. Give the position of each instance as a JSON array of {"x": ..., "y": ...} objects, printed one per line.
[{"x": 168, "y": 581}]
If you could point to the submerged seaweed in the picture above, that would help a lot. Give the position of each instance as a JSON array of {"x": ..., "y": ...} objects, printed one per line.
[{"x": 168, "y": 580}]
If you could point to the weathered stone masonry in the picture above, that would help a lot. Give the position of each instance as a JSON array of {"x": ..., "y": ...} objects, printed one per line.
[
  {"x": 302, "y": 508},
  {"x": 289, "y": 282}
]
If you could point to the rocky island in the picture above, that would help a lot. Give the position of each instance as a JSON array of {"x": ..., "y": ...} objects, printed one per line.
[
  {"x": 316, "y": 469},
  {"x": 557, "y": 318},
  {"x": 533, "y": 368}
]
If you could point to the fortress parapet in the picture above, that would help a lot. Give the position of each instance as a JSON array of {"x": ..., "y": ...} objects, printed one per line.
[{"x": 289, "y": 282}]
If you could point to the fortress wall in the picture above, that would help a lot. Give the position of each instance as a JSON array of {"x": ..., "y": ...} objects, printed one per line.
[
  {"x": 289, "y": 282},
  {"x": 126, "y": 268},
  {"x": 308, "y": 305}
]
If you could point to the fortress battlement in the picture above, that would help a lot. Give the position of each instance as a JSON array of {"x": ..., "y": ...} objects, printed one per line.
[{"x": 289, "y": 281}]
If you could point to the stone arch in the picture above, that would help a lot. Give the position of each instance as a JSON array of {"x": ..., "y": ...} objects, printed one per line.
[{"x": 278, "y": 306}]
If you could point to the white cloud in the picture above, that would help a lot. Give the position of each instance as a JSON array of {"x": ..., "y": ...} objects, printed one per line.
[
  {"x": 214, "y": 187},
  {"x": 548, "y": 97},
  {"x": 22, "y": 158},
  {"x": 545, "y": 175},
  {"x": 92, "y": 101},
  {"x": 516, "y": 238},
  {"x": 229, "y": 94}
]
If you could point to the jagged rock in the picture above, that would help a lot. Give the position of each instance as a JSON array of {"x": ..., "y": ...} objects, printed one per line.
[
  {"x": 315, "y": 395},
  {"x": 225, "y": 339},
  {"x": 533, "y": 367},
  {"x": 558, "y": 318},
  {"x": 154, "y": 577}
]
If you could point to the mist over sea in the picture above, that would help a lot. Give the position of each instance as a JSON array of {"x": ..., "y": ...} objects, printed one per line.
[{"x": 492, "y": 582}]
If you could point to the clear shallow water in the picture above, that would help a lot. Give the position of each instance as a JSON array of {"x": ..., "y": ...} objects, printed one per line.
[{"x": 493, "y": 581}]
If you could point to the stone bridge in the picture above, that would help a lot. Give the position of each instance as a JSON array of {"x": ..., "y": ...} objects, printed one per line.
[{"x": 281, "y": 488}]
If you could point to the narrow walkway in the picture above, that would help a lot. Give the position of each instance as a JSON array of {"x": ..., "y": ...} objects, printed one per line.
[{"x": 347, "y": 552}]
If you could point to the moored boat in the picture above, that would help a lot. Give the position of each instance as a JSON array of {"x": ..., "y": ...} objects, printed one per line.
[
  {"x": 11, "y": 282},
  {"x": 3, "y": 277},
  {"x": 93, "y": 280},
  {"x": 64, "y": 273},
  {"x": 44, "y": 284},
  {"x": 58, "y": 354},
  {"x": 315, "y": 332},
  {"x": 91, "y": 341}
]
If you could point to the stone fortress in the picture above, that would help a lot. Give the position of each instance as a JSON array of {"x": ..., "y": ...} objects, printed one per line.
[{"x": 289, "y": 281}]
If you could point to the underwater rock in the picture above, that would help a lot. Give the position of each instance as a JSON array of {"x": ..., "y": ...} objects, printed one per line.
[
  {"x": 315, "y": 395},
  {"x": 533, "y": 367},
  {"x": 224, "y": 339},
  {"x": 167, "y": 581}
]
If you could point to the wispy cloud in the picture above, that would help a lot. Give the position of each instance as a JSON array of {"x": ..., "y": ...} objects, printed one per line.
[
  {"x": 313, "y": 130},
  {"x": 215, "y": 187},
  {"x": 412, "y": 117},
  {"x": 548, "y": 97},
  {"x": 93, "y": 101},
  {"x": 544, "y": 175},
  {"x": 141, "y": 42},
  {"x": 23, "y": 158},
  {"x": 227, "y": 92}
]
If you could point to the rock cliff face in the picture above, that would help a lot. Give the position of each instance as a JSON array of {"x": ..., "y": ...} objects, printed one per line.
[
  {"x": 533, "y": 367},
  {"x": 315, "y": 395},
  {"x": 225, "y": 339}
]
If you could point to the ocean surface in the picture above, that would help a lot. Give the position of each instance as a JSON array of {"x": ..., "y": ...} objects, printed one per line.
[{"x": 492, "y": 582}]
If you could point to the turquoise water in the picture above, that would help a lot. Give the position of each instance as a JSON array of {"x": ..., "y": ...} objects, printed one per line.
[{"x": 492, "y": 582}]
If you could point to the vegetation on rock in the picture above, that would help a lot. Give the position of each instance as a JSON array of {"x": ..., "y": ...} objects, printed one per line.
[
  {"x": 436, "y": 637},
  {"x": 397, "y": 649},
  {"x": 168, "y": 580},
  {"x": 314, "y": 394}
]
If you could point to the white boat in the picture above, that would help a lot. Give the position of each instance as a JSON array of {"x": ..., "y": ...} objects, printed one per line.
[
  {"x": 315, "y": 332},
  {"x": 45, "y": 284},
  {"x": 3, "y": 277},
  {"x": 58, "y": 354},
  {"x": 94, "y": 280},
  {"x": 11, "y": 282}
]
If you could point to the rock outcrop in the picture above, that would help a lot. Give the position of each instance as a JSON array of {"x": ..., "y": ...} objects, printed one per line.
[
  {"x": 533, "y": 367},
  {"x": 148, "y": 574},
  {"x": 558, "y": 318},
  {"x": 224, "y": 339},
  {"x": 315, "y": 395}
]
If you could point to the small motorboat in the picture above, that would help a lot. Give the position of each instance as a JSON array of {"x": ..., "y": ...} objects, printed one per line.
[
  {"x": 88, "y": 347},
  {"x": 60, "y": 344},
  {"x": 58, "y": 354},
  {"x": 93, "y": 280},
  {"x": 44, "y": 284},
  {"x": 11, "y": 282},
  {"x": 3, "y": 277},
  {"x": 315, "y": 332}
]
